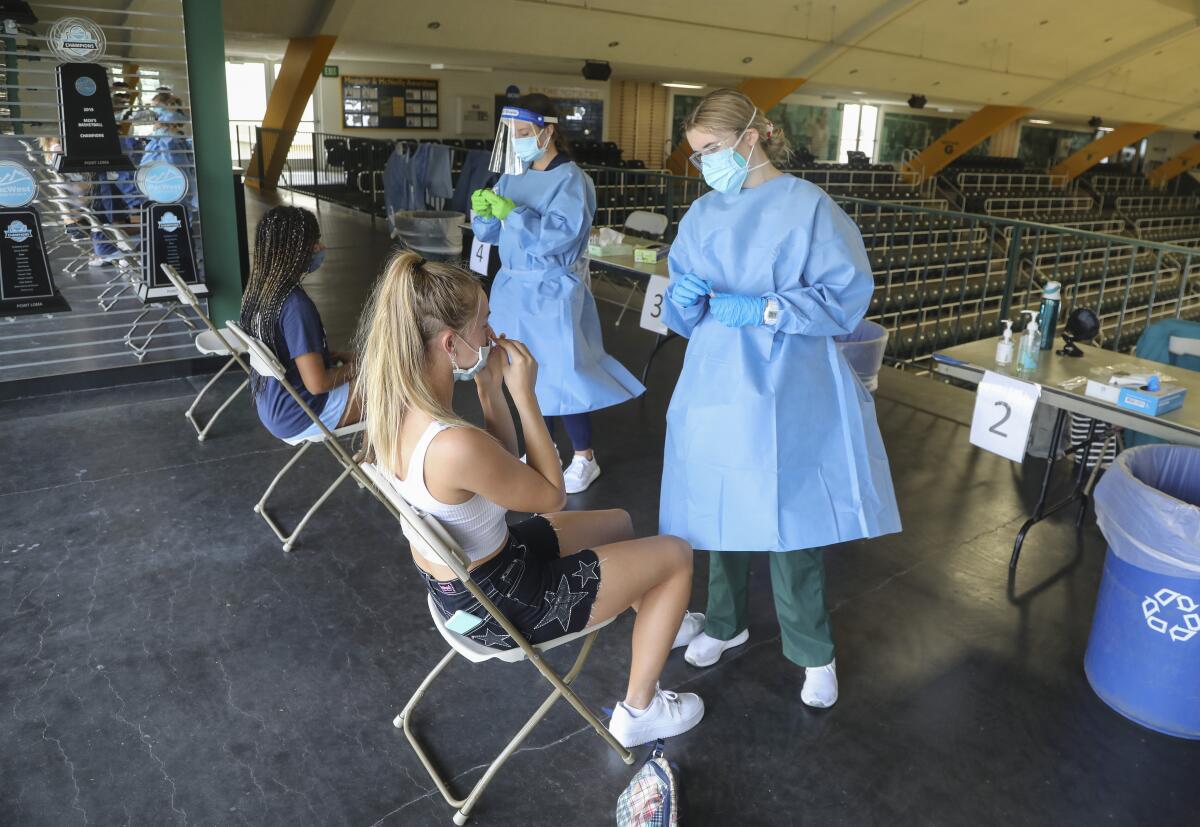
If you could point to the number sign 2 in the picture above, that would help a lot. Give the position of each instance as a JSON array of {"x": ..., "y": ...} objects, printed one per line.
[{"x": 1003, "y": 415}]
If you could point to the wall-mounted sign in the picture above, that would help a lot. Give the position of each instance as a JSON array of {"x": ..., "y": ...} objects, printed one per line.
[
  {"x": 25, "y": 282},
  {"x": 18, "y": 187},
  {"x": 162, "y": 181},
  {"x": 76, "y": 40},
  {"x": 91, "y": 142},
  {"x": 167, "y": 239},
  {"x": 329, "y": 71}
]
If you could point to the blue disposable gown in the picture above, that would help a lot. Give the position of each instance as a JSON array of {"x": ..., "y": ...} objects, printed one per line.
[
  {"x": 772, "y": 441},
  {"x": 539, "y": 297}
]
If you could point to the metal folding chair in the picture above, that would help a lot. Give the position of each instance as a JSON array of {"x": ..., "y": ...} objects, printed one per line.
[
  {"x": 427, "y": 534},
  {"x": 264, "y": 363},
  {"x": 211, "y": 342}
]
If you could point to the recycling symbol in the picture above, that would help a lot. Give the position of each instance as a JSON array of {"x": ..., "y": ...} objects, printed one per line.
[{"x": 1173, "y": 614}]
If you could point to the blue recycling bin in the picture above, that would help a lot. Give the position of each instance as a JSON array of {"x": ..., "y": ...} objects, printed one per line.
[{"x": 1143, "y": 655}]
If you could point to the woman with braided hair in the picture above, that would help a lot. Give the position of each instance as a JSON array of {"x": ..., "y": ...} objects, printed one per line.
[{"x": 276, "y": 310}]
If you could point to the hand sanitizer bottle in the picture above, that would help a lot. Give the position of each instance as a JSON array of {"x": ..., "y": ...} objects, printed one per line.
[
  {"x": 1029, "y": 348},
  {"x": 1004, "y": 347}
]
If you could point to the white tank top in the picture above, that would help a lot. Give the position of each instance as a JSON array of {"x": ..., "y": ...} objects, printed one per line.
[{"x": 477, "y": 525}]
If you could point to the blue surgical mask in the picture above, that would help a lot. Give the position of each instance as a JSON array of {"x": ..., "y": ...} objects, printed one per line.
[
  {"x": 527, "y": 149},
  {"x": 467, "y": 374},
  {"x": 318, "y": 258},
  {"x": 725, "y": 170}
]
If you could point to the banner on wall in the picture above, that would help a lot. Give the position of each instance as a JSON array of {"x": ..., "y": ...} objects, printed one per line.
[{"x": 26, "y": 285}]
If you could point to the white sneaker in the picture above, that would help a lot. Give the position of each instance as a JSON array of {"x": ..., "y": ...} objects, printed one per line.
[
  {"x": 820, "y": 685},
  {"x": 705, "y": 650},
  {"x": 692, "y": 625},
  {"x": 669, "y": 714},
  {"x": 581, "y": 473}
]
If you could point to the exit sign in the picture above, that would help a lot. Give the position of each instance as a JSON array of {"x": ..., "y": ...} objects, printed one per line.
[{"x": 330, "y": 71}]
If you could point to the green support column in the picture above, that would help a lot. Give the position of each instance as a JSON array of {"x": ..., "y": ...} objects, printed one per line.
[{"x": 214, "y": 166}]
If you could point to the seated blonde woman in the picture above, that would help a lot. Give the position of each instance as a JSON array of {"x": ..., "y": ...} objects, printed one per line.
[{"x": 552, "y": 574}]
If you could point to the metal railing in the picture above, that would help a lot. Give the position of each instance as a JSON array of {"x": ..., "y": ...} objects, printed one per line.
[
  {"x": 1128, "y": 184},
  {"x": 1038, "y": 206},
  {"x": 877, "y": 180},
  {"x": 1168, "y": 226},
  {"x": 1156, "y": 203},
  {"x": 970, "y": 181},
  {"x": 944, "y": 278}
]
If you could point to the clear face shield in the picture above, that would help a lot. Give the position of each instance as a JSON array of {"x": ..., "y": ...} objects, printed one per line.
[{"x": 521, "y": 138}]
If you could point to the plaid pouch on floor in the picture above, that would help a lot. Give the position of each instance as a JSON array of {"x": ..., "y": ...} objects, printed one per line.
[{"x": 652, "y": 797}]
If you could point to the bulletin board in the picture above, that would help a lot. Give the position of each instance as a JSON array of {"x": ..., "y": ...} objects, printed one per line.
[{"x": 389, "y": 103}]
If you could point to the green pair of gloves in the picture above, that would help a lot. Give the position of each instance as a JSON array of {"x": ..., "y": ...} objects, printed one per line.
[{"x": 491, "y": 204}]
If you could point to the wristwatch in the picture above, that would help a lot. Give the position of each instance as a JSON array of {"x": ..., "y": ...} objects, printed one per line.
[{"x": 771, "y": 314}]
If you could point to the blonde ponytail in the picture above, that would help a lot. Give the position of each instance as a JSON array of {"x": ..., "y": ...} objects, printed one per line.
[
  {"x": 728, "y": 110},
  {"x": 413, "y": 302}
]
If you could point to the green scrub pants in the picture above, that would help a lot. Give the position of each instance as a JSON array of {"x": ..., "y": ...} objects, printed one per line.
[{"x": 798, "y": 581}]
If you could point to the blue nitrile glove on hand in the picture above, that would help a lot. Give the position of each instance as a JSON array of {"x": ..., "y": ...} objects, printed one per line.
[
  {"x": 689, "y": 290},
  {"x": 480, "y": 204},
  {"x": 733, "y": 310}
]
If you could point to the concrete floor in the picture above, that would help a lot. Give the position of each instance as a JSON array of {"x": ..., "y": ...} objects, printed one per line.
[{"x": 167, "y": 663}]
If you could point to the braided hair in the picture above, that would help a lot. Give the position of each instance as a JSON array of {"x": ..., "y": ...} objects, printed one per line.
[{"x": 283, "y": 247}]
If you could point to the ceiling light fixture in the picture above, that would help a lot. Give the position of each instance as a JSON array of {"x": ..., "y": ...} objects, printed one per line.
[
  {"x": 449, "y": 67},
  {"x": 612, "y": 44},
  {"x": 684, "y": 85},
  {"x": 434, "y": 25},
  {"x": 1040, "y": 121},
  {"x": 1106, "y": 129},
  {"x": 747, "y": 59}
]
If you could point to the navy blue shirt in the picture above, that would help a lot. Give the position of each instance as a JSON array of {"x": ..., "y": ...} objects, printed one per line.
[{"x": 298, "y": 331}]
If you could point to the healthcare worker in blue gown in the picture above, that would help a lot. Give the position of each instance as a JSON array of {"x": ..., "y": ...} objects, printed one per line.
[
  {"x": 540, "y": 213},
  {"x": 772, "y": 442}
]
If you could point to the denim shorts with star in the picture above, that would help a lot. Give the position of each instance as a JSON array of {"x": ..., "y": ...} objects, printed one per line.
[{"x": 544, "y": 595}]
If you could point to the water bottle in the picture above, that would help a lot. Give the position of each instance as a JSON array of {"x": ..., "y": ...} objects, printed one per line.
[{"x": 1048, "y": 313}]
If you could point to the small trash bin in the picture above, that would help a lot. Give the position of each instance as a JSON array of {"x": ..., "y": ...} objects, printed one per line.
[
  {"x": 1143, "y": 656},
  {"x": 863, "y": 349}
]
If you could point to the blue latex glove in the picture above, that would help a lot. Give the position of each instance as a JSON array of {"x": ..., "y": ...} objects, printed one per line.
[
  {"x": 733, "y": 310},
  {"x": 689, "y": 290}
]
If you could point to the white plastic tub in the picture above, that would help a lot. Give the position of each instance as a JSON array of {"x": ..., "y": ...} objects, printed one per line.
[
  {"x": 864, "y": 349},
  {"x": 431, "y": 232}
]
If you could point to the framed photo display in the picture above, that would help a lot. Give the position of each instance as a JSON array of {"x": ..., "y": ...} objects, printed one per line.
[{"x": 389, "y": 103}]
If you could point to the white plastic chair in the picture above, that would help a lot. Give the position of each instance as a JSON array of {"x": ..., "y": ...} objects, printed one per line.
[
  {"x": 264, "y": 363},
  {"x": 426, "y": 534},
  {"x": 211, "y": 342},
  {"x": 647, "y": 223}
]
